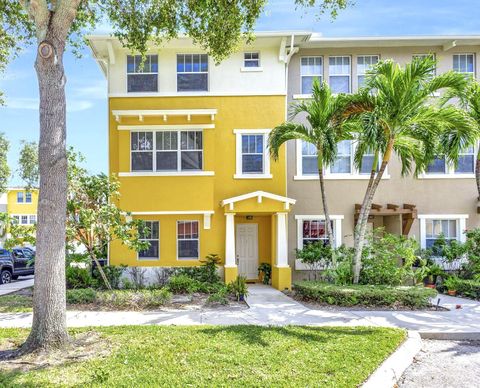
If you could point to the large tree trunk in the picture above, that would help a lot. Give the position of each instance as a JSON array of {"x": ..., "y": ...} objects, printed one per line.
[
  {"x": 361, "y": 227},
  {"x": 477, "y": 173},
  {"x": 323, "y": 192},
  {"x": 49, "y": 327}
]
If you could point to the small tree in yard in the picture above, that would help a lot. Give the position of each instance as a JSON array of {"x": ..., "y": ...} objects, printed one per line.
[
  {"x": 4, "y": 169},
  {"x": 396, "y": 116},
  {"x": 28, "y": 164},
  {"x": 94, "y": 220},
  {"x": 216, "y": 26}
]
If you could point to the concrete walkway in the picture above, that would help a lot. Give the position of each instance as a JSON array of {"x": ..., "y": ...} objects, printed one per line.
[
  {"x": 16, "y": 285},
  {"x": 271, "y": 307}
]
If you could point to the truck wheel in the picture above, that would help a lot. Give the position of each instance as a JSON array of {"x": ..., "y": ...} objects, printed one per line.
[{"x": 5, "y": 277}]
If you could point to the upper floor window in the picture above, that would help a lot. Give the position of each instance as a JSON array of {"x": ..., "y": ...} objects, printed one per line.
[
  {"x": 28, "y": 197},
  {"x": 424, "y": 56},
  {"x": 192, "y": 72},
  {"x": 343, "y": 161},
  {"x": 309, "y": 159},
  {"x": 151, "y": 235},
  {"x": 251, "y": 59},
  {"x": 187, "y": 240},
  {"x": 20, "y": 198},
  {"x": 174, "y": 151},
  {"x": 253, "y": 160},
  {"x": 368, "y": 159},
  {"x": 310, "y": 68},
  {"x": 464, "y": 63},
  {"x": 142, "y": 79},
  {"x": 339, "y": 74},
  {"x": 465, "y": 165},
  {"x": 364, "y": 64}
]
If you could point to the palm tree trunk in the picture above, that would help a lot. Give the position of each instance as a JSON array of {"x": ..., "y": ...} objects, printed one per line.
[
  {"x": 365, "y": 212},
  {"x": 323, "y": 192},
  {"x": 477, "y": 173}
]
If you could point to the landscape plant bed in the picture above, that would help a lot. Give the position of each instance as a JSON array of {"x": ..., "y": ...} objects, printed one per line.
[
  {"x": 90, "y": 299},
  {"x": 364, "y": 296},
  {"x": 233, "y": 356}
]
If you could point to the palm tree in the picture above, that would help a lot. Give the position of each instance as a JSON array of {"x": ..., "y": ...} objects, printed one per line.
[
  {"x": 324, "y": 130},
  {"x": 396, "y": 115}
]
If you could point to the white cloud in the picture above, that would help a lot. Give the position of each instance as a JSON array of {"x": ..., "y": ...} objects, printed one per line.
[
  {"x": 94, "y": 91},
  {"x": 28, "y": 103}
]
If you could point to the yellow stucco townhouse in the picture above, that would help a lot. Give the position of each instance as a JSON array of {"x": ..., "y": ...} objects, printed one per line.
[{"x": 188, "y": 140}]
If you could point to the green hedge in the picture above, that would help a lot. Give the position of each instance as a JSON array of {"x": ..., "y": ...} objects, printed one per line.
[
  {"x": 120, "y": 299},
  {"x": 364, "y": 295},
  {"x": 468, "y": 288}
]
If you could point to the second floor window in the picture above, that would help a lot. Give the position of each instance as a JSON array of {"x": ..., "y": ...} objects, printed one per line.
[
  {"x": 464, "y": 63},
  {"x": 142, "y": 79},
  {"x": 343, "y": 161},
  {"x": 192, "y": 72},
  {"x": 310, "y": 68},
  {"x": 465, "y": 165},
  {"x": 167, "y": 151},
  {"x": 364, "y": 64},
  {"x": 339, "y": 74},
  {"x": 251, "y": 59},
  {"x": 20, "y": 197},
  {"x": 252, "y": 154},
  {"x": 28, "y": 197},
  {"x": 309, "y": 159}
]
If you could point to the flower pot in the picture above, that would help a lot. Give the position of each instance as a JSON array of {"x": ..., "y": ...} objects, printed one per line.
[
  {"x": 452, "y": 292},
  {"x": 241, "y": 298},
  {"x": 430, "y": 285}
]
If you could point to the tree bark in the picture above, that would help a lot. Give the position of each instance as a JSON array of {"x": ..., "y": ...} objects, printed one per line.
[
  {"x": 323, "y": 192},
  {"x": 477, "y": 173},
  {"x": 361, "y": 227},
  {"x": 49, "y": 328}
]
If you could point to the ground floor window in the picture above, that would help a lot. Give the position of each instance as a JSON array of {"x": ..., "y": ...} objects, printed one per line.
[
  {"x": 151, "y": 236},
  {"x": 24, "y": 219},
  {"x": 187, "y": 240},
  {"x": 450, "y": 226},
  {"x": 311, "y": 229}
]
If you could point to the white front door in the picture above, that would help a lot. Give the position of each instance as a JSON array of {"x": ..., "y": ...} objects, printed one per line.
[{"x": 247, "y": 250}]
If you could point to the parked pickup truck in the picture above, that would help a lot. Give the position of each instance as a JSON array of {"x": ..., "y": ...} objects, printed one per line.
[{"x": 13, "y": 265}]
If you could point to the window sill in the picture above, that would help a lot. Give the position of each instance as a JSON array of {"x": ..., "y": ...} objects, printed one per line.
[
  {"x": 187, "y": 258},
  {"x": 166, "y": 173},
  {"x": 251, "y": 69},
  {"x": 446, "y": 176},
  {"x": 302, "y": 96},
  {"x": 253, "y": 176},
  {"x": 336, "y": 177},
  {"x": 148, "y": 258}
]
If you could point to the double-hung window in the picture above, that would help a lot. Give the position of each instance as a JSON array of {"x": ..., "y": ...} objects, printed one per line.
[
  {"x": 466, "y": 161},
  {"x": 364, "y": 64},
  {"x": 424, "y": 56},
  {"x": 192, "y": 72},
  {"x": 314, "y": 231},
  {"x": 152, "y": 236},
  {"x": 251, "y": 59},
  {"x": 434, "y": 228},
  {"x": 438, "y": 165},
  {"x": 24, "y": 220},
  {"x": 174, "y": 151},
  {"x": 252, "y": 159},
  {"x": 142, "y": 79},
  {"x": 339, "y": 70},
  {"x": 367, "y": 163},
  {"x": 465, "y": 64},
  {"x": 19, "y": 196},
  {"x": 32, "y": 219},
  {"x": 28, "y": 197},
  {"x": 310, "y": 68},
  {"x": 187, "y": 240},
  {"x": 309, "y": 159},
  {"x": 343, "y": 161}
]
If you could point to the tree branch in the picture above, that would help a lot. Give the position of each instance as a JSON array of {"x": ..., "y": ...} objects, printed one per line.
[
  {"x": 63, "y": 17},
  {"x": 39, "y": 13}
]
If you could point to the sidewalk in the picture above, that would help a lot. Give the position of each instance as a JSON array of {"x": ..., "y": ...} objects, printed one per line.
[{"x": 271, "y": 307}]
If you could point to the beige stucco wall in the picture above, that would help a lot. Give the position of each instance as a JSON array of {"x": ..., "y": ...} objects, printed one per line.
[{"x": 431, "y": 196}]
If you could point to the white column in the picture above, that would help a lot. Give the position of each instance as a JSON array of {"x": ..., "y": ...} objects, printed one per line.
[
  {"x": 282, "y": 243},
  {"x": 230, "y": 240}
]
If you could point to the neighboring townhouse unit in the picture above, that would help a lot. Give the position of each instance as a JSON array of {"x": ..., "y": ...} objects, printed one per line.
[
  {"x": 188, "y": 141},
  {"x": 443, "y": 200}
]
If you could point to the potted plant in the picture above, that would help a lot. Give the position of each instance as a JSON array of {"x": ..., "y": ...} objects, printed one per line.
[
  {"x": 433, "y": 272},
  {"x": 238, "y": 287},
  {"x": 451, "y": 285},
  {"x": 265, "y": 270}
]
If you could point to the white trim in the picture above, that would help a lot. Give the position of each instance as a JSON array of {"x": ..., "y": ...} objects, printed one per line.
[
  {"x": 320, "y": 76},
  {"x": 166, "y": 173},
  {"x": 461, "y": 225},
  {"x": 319, "y": 217},
  {"x": 147, "y": 128},
  {"x": 275, "y": 197},
  {"x": 251, "y": 69},
  {"x": 349, "y": 75},
  {"x": 172, "y": 212},
  {"x": 447, "y": 176},
  {"x": 197, "y": 94},
  {"x": 163, "y": 112},
  {"x": 302, "y": 96},
  {"x": 25, "y": 215},
  {"x": 334, "y": 177},
  {"x": 238, "y": 154}
]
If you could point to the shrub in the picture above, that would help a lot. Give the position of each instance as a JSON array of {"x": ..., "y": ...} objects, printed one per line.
[
  {"x": 365, "y": 295},
  {"x": 316, "y": 256},
  {"x": 266, "y": 269},
  {"x": 472, "y": 246},
  {"x": 112, "y": 272},
  {"x": 81, "y": 296},
  {"x": 77, "y": 277},
  {"x": 207, "y": 272},
  {"x": 219, "y": 297},
  {"x": 182, "y": 284},
  {"x": 469, "y": 288},
  {"x": 342, "y": 272},
  {"x": 238, "y": 287}
]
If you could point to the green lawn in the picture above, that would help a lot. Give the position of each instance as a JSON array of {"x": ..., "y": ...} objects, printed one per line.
[
  {"x": 15, "y": 304},
  {"x": 220, "y": 356}
]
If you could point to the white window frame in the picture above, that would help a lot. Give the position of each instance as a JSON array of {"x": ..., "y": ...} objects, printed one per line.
[
  {"x": 450, "y": 170},
  {"x": 192, "y": 72},
  {"x": 473, "y": 74},
  {"x": 18, "y": 219},
  {"x": 190, "y": 239},
  {"x": 330, "y": 75},
  {"x": 266, "y": 156},
  {"x": 246, "y": 68},
  {"x": 320, "y": 76},
  {"x": 32, "y": 219},
  {"x": 363, "y": 74},
  {"x": 337, "y": 233},
  {"x": 461, "y": 225},
  {"x": 353, "y": 175},
  {"x": 179, "y": 170},
  {"x": 23, "y": 196},
  {"x": 151, "y": 239},
  {"x": 146, "y": 73}
]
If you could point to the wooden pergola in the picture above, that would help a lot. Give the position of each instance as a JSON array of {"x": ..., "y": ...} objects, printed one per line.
[{"x": 407, "y": 212}]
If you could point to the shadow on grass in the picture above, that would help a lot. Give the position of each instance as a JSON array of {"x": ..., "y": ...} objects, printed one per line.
[{"x": 254, "y": 335}]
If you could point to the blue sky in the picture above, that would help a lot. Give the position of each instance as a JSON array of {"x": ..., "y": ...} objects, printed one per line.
[{"x": 86, "y": 87}]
